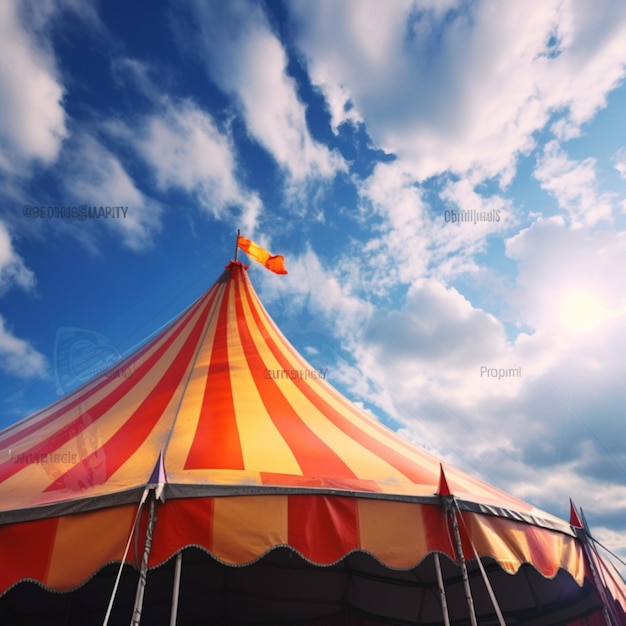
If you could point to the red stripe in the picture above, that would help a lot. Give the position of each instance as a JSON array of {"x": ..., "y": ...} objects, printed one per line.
[
  {"x": 76, "y": 426},
  {"x": 312, "y": 453},
  {"x": 438, "y": 532},
  {"x": 408, "y": 467},
  {"x": 323, "y": 528},
  {"x": 26, "y": 550},
  {"x": 216, "y": 443},
  {"x": 182, "y": 522},
  {"x": 129, "y": 437}
]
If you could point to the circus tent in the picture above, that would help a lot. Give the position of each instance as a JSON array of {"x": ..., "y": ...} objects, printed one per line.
[{"x": 215, "y": 477}]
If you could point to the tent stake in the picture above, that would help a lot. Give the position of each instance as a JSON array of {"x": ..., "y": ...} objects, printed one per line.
[
  {"x": 143, "y": 571},
  {"x": 176, "y": 589},
  {"x": 442, "y": 591}
]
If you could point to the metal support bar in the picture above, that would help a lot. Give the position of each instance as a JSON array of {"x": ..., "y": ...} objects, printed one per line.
[
  {"x": 597, "y": 580},
  {"x": 121, "y": 567},
  {"x": 459, "y": 549},
  {"x": 176, "y": 589},
  {"x": 492, "y": 595},
  {"x": 143, "y": 571},
  {"x": 442, "y": 591}
]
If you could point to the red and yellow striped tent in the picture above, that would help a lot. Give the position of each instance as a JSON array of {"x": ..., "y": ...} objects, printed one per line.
[{"x": 214, "y": 477}]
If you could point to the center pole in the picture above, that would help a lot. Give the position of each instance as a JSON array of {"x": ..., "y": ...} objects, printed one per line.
[{"x": 237, "y": 244}]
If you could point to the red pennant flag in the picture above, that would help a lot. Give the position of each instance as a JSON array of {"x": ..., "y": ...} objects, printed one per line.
[{"x": 274, "y": 263}]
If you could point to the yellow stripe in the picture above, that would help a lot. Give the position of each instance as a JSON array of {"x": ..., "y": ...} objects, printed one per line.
[
  {"x": 263, "y": 447},
  {"x": 394, "y": 532},
  {"x": 245, "y": 527},
  {"x": 98, "y": 537}
]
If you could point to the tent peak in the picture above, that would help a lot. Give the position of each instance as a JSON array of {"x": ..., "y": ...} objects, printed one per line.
[
  {"x": 443, "y": 488},
  {"x": 574, "y": 517}
]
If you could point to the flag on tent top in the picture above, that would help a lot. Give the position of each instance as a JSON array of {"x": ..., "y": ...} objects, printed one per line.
[{"x": 274, "y": 263}]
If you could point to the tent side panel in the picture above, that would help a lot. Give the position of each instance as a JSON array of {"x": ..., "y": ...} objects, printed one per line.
[
  {"x": 240, "y": 529},
  {"x": 513, "y": 543},
  {"x": 62, "y": 553}
]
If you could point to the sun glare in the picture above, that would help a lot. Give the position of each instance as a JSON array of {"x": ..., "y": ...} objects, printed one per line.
[{"x": 581, "y": 311}]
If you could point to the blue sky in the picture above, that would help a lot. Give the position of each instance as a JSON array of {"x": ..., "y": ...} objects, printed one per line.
[{"x": 345, "y": 135}]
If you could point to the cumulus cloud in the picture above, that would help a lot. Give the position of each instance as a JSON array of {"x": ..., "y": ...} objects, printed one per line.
[
  {"x": 471, "y": 83},
  {"x": 246, "y": 60},
  {"x": 94, "y": 176},
  {"x": 18, "y": 357},
  {"x": 13, "y": 270},
  {"x": 312, "y": 298},
  {"x": 567, "y": 284},
  {"x": 619, "y": 159},
  {"x": 186, "y": 150},
  {"x": 574, "y": 185},
  {"x": 415, "y": 238},
  {"x": 33, "y": 122}
]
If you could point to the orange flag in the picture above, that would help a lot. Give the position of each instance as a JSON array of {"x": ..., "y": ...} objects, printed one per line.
[{"x": 274, "y": 263}]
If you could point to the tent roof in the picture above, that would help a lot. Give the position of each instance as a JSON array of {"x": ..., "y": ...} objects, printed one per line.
[{"x": 234, "y": 409}]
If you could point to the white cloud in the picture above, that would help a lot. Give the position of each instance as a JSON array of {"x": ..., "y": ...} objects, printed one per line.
[
  {"x": 13, "y": 271},
  {"x": 244, "y": 57},
  {"x": 95, "y": 177},
  {"x": 565, "y": 273},
  {"x": 470, "y": 85},
  {"x": 619, "y": 158},
  {"x": 32, "y": 119},
  {"x": 18, "y": 357},
  {"x": 314, "y": 293},
  {"x": 427, "y": 240},
  {"x": 574, "y": 185},
  {"x": 187, "y": 151}
]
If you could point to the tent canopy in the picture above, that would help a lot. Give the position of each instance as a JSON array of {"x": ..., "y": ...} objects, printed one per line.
[{"x": 263, "y": 462}]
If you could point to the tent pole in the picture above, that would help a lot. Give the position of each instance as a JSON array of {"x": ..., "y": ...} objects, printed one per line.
[
  {"x": 459, "y": 550},
  {"x": 583, "y": 533},
  {"x": 237, "y": 243},
  {"x": 598, "y": 582},
  {"x": 492, "y": 595},
  {"x": 442, "y": 591},
  {"x": 176, "y": 589},
  {"x": 119, "y": 572},
  {"x": 141, "y": 585}
]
